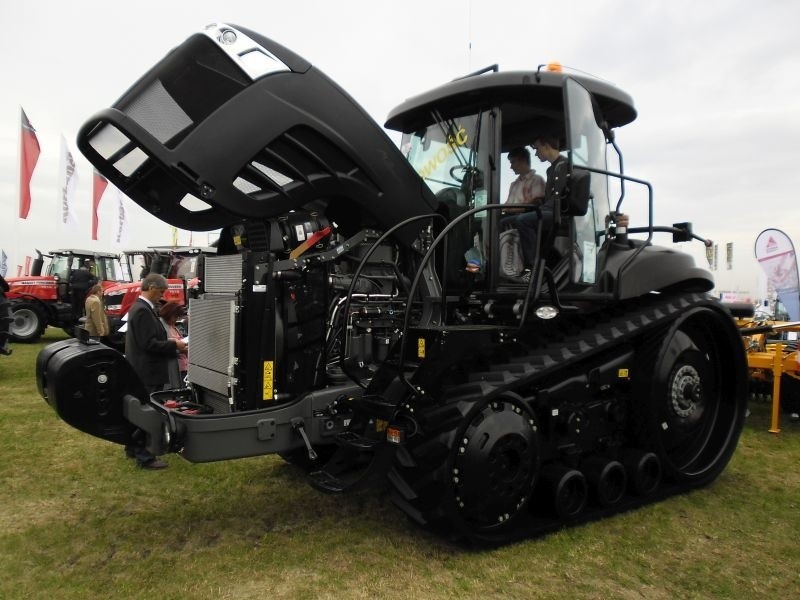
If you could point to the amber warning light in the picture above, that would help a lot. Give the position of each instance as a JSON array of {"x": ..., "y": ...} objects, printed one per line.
[{"x": 395, "y": 435}]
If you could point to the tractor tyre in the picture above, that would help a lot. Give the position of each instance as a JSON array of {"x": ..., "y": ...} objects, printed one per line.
[{"x": 27, "y": 324}]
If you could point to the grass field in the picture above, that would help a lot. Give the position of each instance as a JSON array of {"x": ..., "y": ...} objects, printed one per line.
[{"x": 78, "y": 520}]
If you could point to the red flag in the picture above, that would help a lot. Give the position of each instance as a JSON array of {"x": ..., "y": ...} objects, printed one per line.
[
  {"x": 29, "y": 155},
  {"x": 98, "y": 187}
]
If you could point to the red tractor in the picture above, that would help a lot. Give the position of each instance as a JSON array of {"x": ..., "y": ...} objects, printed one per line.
[
  {"x": 179, "y": 264},
  {"x": 39, "y": 300}
]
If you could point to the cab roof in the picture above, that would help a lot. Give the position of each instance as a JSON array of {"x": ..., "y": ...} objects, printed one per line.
[
  {"x": 85, "y": 253},
  {"x": 540, "y": 89}
]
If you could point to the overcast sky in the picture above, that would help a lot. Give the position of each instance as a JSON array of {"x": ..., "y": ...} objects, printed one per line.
[{"x": 716, "y": 84}]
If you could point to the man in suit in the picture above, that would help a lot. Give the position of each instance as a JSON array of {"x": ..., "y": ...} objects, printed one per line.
[{"x": 148, "y": 350}]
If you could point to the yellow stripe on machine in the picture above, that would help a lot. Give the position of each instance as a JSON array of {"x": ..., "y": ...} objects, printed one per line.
[{"x": 268, "y": 379}]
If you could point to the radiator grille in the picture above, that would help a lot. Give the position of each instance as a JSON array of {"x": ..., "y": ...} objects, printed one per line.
[
  {"x": 211, "y": 343},
  {"x": 223, "y": 273}
]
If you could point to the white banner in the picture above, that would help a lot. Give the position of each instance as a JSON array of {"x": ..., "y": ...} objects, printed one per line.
[
  {"x": 3, "y": 262},
  {"x": 775, "y": 253},
  {"x": 120, "y": 235},
  {"x": 67, "y": 184}
]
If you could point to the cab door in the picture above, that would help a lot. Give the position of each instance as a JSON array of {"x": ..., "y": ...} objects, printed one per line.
[{"x": 586, "y": 143}]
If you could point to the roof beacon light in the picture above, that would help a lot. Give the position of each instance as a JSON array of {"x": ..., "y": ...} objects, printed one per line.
[{"x": 555, "y": 67}]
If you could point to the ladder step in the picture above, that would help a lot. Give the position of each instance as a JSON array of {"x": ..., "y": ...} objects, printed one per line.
[{"x": 352, "y": 440}]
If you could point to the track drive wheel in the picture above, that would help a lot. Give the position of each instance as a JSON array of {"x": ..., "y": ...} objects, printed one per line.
[
  {"x": 486, "y": 478},
  {"x": 696, "y": 395},
  {"x": 27, "y": 323}
]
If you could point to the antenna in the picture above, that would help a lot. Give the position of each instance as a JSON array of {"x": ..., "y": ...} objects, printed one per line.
[{"x": 469, "y": 37}]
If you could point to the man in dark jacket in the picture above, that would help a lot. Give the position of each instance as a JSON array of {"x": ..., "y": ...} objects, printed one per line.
[
  {"x": 148, "y": 350},
  {"x": 80, "y": 280}
]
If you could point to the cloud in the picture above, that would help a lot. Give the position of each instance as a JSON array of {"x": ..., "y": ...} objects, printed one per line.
[{"x": 715, "y": 83}]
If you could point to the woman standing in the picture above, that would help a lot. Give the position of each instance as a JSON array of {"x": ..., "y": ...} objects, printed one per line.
[
  {"x": 170, "y": 313},
  {"x": 96, "y": 319}
]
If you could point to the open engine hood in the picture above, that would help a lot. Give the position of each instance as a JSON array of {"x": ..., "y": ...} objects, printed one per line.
[{"x": 231, "y": 126}]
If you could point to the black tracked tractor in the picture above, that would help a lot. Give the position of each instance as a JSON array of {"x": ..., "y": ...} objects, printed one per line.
[{"x": 359, "y": 318}]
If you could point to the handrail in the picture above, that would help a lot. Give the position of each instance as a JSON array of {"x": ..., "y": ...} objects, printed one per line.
[
  {"x": 425, "y": 259},
  {"x": 649, "y": 229}
]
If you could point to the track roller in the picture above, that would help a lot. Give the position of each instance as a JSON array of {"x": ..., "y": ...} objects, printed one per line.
[
  {"x": 607, "y": 478},
  {"x": 563, "y": 490},
  {"x": 644, "y": 472}
]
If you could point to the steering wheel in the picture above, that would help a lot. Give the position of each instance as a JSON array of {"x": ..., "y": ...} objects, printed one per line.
[{"x": 466, "y": 168}]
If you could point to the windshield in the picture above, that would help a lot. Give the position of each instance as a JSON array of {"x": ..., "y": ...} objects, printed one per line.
[
  {"x": 452, "y": 157},
  {"x": 184, "y": 267},
  {"x": 445, "y": 152},
  {"x": 109, "y": 269},
  {"x": 62, "y": 264}
]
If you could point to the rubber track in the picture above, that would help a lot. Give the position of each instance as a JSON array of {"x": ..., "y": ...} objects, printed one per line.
[
  {"x": 420, "y": 475},
  {"x": 524, "y": 370}
]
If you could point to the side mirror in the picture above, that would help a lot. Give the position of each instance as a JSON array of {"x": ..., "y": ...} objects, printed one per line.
[{"x": 681, "y": 232}]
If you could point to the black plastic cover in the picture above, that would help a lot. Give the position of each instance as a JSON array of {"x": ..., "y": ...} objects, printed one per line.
[{"x": 198, "y": 144}]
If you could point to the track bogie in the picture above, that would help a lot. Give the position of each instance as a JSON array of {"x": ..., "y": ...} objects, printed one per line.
[{"x": 597, "y": 422}]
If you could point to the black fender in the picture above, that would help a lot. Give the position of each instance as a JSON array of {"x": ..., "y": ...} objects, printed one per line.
[{"x": 635, "y": 271}]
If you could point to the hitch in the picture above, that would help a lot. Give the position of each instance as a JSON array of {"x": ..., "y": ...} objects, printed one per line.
[{"x": 299, "y": 427}]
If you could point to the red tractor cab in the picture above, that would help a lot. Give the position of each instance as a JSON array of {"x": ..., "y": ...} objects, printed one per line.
[{"x": 179, "y": 264}]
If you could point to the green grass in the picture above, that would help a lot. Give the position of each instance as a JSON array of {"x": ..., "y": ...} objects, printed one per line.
[{"x": 78, "y": 520}]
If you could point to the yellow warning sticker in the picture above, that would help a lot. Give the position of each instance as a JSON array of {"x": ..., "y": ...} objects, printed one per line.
[
  {"x": 421, "y": 348},
  {"x": 622, "y": 373},
  {"x": 268, "y": 379}
]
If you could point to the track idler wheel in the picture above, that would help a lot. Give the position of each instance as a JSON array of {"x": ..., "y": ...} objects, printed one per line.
[
  {"x": 697, "y": 392},
  {"x": 644, "y": 472},
  {"x": 495, "y": 462},
  {"x": 607, "y": 478},
  {"x": 563, "y": 490}
]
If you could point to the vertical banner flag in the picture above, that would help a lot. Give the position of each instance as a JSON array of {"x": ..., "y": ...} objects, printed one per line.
[
  {"x": 19, "y": 270},
  {"x": 28, "y": 260},
  {"x": 99, "y": 184},
  {"x": 775, "y": 253},
  {"x": 174, "y": 236},
  {"x": 710, "y": 256},
  {"x": 3, "y": 263},
  {"x": 29, "y": 154},
  {"x": 67, "y": 184},
  {"x": 729, "y": 255},
  {"x": 119, "y": 234}
]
